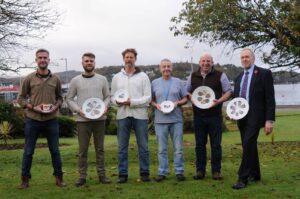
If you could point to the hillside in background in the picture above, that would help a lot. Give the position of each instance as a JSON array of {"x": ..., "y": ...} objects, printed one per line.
[{"x": 181, "y": 70}]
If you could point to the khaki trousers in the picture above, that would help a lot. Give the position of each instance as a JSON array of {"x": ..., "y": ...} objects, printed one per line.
[{"x": 85, "y": 130}]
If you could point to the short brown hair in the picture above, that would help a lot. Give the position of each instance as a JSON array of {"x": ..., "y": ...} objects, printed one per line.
[
  {"x": 129, "y": 50},
  {"x": 90, "y": 55},
  {"x": 42, "y": 50}
]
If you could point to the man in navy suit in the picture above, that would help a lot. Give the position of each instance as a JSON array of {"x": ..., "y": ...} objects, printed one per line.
[{"x": 255, "y": 84}]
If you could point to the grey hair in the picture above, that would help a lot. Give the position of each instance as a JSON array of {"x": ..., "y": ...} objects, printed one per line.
[
  {"x": 165, "y": 60},
  {"x": 250, "y": 50}
]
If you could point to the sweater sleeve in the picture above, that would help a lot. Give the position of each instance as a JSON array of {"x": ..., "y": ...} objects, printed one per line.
[
  {"x": 146, "y": 98},
  {"x": 113, "y": 89},
  {"x": 106, "y": 94},
  {"x": 72, "y": 92}
]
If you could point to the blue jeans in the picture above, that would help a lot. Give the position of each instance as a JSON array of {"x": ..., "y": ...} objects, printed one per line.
[
  {"x": 176, "y": 133},
  {"x": 211, "y": 126},
  {"x": 32, "y": 131},
  {"x": 140, "y": 128}
]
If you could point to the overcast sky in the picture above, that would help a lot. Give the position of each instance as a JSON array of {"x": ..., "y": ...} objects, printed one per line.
[{"x": 107, "y": 27}]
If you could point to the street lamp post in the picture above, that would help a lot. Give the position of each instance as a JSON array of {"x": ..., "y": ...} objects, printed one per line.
[{"x": 66, "y": 72}]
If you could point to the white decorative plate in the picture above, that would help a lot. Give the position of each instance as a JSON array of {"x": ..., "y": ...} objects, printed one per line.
[
  {"x": 46, "y": 108},
  {"x": 121, "y": 95},
  {"x": 93, "y": 108},
  {"x": 167, "y": 106},
  {"x": 203, "y": 97},
  {"x": 237, "y": 108}
]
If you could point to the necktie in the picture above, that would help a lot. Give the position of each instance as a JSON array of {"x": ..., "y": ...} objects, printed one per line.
[{"x": 245, "y": 85}]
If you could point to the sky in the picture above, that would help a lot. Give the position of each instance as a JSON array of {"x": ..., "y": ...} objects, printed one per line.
[{"x": 107, "y": 27}]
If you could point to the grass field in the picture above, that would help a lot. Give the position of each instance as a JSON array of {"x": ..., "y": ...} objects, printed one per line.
[{"x": 279, "y": 164}]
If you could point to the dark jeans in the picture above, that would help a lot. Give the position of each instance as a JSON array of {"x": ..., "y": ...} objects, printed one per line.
[
  {"x": 212, "y": 127},
  {"x": 32, "y": 130}
]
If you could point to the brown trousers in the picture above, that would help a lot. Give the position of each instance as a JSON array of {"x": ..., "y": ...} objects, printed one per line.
[{"x": 85, "y": 130}]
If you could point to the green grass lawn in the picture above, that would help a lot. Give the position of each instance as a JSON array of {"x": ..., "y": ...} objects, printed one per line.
[{"x": 279, "y": 164}]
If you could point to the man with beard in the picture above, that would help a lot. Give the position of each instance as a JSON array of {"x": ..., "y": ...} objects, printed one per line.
[
  {"x": 85, "y": 86},
  {"x": 41, "y": 96},
  {"x": 132, "y": 114},
  {"x": 208, "y": 122},
  {"x": 168, "y": 88}
]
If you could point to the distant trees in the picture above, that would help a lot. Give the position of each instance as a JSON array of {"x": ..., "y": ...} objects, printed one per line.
[
  {"x": 21, "y": 20},
  {"x": 242, "y": 23}
]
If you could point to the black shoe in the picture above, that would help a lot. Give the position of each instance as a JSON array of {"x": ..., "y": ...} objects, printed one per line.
[
  {"x": 217, "y": 176},
  {"x": 253, "y": 179},
  {"x": 180, "y": 177},
  {"x": 122, "y": 179},
  {"x": 199, "y": 175},
  {"x": 80, "y": 182},
  {"x": 160, "y": 178},
  {"x": 104, "y": 180},
  {"x": 239, "y": 185},
  {"x": 145, "y": 178}
]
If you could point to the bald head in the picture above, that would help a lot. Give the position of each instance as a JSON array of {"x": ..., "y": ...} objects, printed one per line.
[
  {"x": 207, "y": 56},
  {"x": 206, "y": 62}
]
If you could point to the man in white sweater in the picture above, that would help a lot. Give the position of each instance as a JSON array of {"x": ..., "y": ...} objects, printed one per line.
[
  {"x": 82, "y": 87},
  {"x": 132, "y": 114}
]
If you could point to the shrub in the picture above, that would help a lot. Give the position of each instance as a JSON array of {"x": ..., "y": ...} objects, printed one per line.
[
  {"x": 18, "y": 121},
  {"x": 151, "y": 128},
  {"x": 188, "y": 121},
  {"x": 111, "y": 123},
  {"x": 15, "y": 116},
  {"x": 6, "y": 111},
  {"x": 5, "y": 131},
  {"x": 67, "y": 126}
]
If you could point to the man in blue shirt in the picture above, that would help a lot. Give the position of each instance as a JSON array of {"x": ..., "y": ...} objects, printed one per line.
[{"x": 168, "y": 88}]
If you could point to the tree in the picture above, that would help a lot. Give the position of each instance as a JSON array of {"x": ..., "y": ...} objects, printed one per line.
[
  {"x": 21, "y": 20},
  {"x": 274, "y": 24}
]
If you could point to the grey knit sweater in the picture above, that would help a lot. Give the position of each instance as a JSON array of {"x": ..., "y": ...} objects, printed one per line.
[{"x": 82, "y": 88}]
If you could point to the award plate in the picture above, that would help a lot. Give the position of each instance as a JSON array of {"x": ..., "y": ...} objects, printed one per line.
[
  {"x": 46, "y": 108},
  {"x": 167, "y": 106},
  {"x": 237, "y": 108},
  {"x": 93, "y": 108},
  {"x": 203, "y": 97},
  {"x": 121, "y": 95}
]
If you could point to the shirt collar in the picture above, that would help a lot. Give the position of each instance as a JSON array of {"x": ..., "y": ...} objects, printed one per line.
[{"x": 250, "y": 70}]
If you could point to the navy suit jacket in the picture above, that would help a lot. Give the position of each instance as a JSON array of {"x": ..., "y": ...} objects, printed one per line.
[{"x": 261, "y": 97}]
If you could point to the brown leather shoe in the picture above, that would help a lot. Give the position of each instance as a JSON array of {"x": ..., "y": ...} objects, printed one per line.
[
  {"x": 59, "y": 181},
  {"x": 217, "y": 176},
  {"x": 24, "y": 182},
  {"x": 199, "y": 175}
]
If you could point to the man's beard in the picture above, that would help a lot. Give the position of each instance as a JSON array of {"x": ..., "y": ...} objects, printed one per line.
[
  {"x": 88, "y": 69},
  {"x": 130, "y": 64}
]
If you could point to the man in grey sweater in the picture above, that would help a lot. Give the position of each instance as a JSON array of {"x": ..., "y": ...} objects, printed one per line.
[{"x": 82, "y": 87}]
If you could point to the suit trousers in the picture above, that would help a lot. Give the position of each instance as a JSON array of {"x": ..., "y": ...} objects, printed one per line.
[
  {"x": 250, "y": 161},
  {"x": 85, "y": 130}
]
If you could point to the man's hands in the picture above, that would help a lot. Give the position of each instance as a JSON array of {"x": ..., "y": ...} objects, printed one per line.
[
  {"x": 126, "y": 103},
  {"x": 39, "y": 108},
  {"x": 268, "y": 127}
]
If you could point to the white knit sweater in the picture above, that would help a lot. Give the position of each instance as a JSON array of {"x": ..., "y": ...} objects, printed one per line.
[{"x": 139, "y": 89}]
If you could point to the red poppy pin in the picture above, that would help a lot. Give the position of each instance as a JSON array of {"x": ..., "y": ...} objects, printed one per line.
[{"x": 256, "y": 72}]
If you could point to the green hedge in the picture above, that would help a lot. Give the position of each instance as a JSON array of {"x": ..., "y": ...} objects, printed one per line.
[{"x": 67, "y": 126}]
